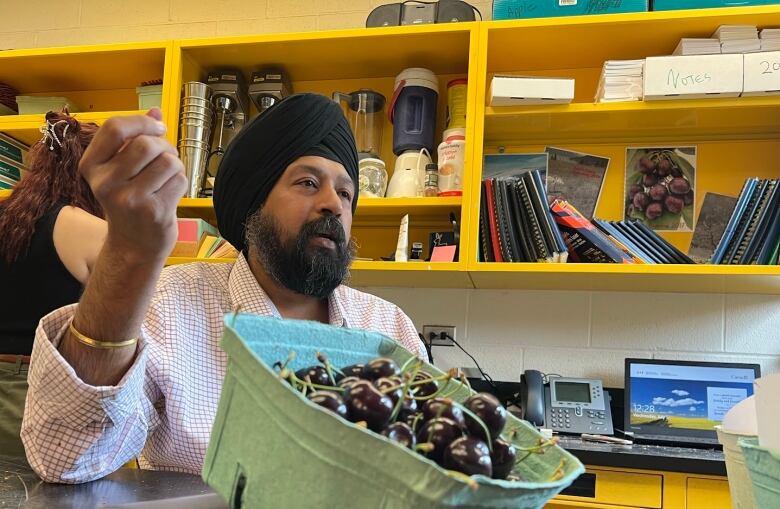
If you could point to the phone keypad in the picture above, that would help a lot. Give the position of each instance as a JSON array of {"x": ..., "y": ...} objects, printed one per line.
[{"x": 560, "y": 418}]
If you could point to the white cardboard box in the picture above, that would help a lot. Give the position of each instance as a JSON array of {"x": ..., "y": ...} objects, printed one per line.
[
  {"x": 762, "y": 73},
  {"x": 524, "y": 90},
  {"x": 692, "y": 77}
]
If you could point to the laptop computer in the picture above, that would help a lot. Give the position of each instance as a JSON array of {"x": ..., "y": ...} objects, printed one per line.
[{"x": 681, "y": 402}]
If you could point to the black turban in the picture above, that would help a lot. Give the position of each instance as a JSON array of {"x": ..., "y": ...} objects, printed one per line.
[{"x": 300, "y": 125}]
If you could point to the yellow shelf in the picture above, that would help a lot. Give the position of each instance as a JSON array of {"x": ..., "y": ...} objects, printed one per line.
[
  {"x": 701, "y": 119},
  {"x": 630, "y": 278},
  {"x": 577, "y": 42},
  {"x": 25, "y": 127},
  {"x": 341, "y": 54},
  {"x": 369, "y": 209},
  {"x": 101, "y": 77},
  {"x": 409, "y": 274}
]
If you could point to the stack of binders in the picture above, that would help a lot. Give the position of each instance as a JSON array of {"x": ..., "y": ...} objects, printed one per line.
[
  {"x": 752, "y": 235},
  {"x": 642, "y": 243},
  {"x": 516, "y": 224}
]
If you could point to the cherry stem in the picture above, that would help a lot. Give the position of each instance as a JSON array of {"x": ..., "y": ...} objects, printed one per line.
[
  {"x": 328, "y": 367},
  {"x": 424, "y": 447},
  {"x": 392, "y": 388},
  {"x": 404, "y": 390},
  {"x": 409, "y": 361},
  {"x": 479, "y": 421},
  {"x": 297, "y": 381},
  {"x": 558, "y": 474}
]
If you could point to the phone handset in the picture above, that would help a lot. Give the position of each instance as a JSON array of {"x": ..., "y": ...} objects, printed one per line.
[{"x": 532, "y": 396}]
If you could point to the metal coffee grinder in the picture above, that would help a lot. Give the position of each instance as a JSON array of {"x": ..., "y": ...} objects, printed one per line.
[
  {"x": 230, "y": 109},
  {"x": 268, "y": 86}
]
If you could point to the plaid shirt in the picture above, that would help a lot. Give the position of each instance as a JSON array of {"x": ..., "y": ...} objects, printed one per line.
[{"x": 164, "y": 406}]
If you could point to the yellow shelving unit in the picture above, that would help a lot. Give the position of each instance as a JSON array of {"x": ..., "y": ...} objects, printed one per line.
[
  {"x": 735, "y": 138},
  {"x": 101, "y": 80},
  {"x": 344, "y": 61}
]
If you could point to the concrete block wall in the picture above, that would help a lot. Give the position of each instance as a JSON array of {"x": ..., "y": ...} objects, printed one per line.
[
  {"x": 589, "y": 334},
  {"x": 48, "y": 23}
]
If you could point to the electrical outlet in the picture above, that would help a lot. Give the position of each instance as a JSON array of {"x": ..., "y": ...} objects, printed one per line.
[{"x": 437, "y": 330}]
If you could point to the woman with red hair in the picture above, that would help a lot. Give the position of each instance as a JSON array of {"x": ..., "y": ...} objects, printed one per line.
[{"x": 51, "y": 231}]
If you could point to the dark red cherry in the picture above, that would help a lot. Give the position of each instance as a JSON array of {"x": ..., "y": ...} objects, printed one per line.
[
  {"x": 410, "y": 418},
  {"x": 503, "y": 458},
  {"x": 469, "y": 455},
  {"x": 365, "y": 403},
  {"x": 317, "y": 374},
  {"x": 400, "y": 432},
  {"x": 425, "y": 389},
  {"x": 353, "y": 370},
  {"x": 329, "y": 400},
  {"x": 443, "y": 407},
  {"x": 387, "y": 383},
  {"x": 380, "y": 367},
  {"x": 493, "y": 414},
  {"x": 348, "y": 381},
  {"x": 440, "y": 432}
]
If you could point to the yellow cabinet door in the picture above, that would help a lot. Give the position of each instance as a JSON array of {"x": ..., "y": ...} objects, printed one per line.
[{"x": 708, "y": 494}]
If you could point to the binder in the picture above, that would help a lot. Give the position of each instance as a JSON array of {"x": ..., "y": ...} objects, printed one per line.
[
  {"x": 493, "y": 221},
  {"x": 485, "y": 245},
  {"x": 537, "y": 237},
  {"x": 519, "y": 224},
  {"x": 648, "y": 248},
  {"x": 745, "y": 194},
  {"x": 506, "y": 233},
  {"x": 611, "y": 231},
  {"x": 541, "y": 210},
  {"x": 676, "y": 256},
  {"x": 563, "y": 252},
  {"x": 745, "y": 228},
  {"x": 772, "y": 242},
  {"x": 762, "y": 226}
]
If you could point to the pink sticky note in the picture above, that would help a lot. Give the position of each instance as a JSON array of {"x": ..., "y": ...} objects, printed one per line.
[{"x": 443, "y": 254}]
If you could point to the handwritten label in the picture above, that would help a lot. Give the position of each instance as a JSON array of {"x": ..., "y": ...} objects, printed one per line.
[
  {"x": 679, "y": 80},
  {"x": 603, "y": 5},
  {"x": 693, "y": 76},
  {"x": 517, "y": 11},
  {"x": 762, "y": 73},
  {"x": 769, "y": 67}
]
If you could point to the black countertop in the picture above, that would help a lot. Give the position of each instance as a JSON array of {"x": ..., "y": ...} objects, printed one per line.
[
  {"x": 647, "y": 457},
  {"x": 125, "y": 488}
]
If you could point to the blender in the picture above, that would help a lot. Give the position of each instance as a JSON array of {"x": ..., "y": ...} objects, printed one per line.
[{"x": 365, "y": 113}]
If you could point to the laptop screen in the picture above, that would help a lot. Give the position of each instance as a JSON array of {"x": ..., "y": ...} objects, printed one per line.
[{"x": 679, "y": 400}]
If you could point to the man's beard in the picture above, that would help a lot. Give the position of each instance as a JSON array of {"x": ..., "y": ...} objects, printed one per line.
[{"x": 296, "y": 264}]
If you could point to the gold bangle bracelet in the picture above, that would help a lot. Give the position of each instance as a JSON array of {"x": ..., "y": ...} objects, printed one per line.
[{"x": 94, "y": 343}]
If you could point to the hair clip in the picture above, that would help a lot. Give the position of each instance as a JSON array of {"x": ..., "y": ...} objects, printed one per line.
[{"x": 50, "y": 134}]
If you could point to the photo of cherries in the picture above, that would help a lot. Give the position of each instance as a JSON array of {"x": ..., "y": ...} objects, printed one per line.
[
  {"x": 413, "y": 408},
  {"x": 659, "y": 187}
]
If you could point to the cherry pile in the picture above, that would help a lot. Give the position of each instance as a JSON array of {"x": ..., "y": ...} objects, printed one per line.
[{"x": 412, "y": 408}]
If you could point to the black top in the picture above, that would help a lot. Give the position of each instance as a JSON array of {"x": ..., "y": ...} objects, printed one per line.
[{"x": 33, "y": 286}]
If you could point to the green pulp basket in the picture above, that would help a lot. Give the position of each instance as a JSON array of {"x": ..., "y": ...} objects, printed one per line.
[
  {"x": 764, "y": 467},
  {"x": 271, "y": 447}
]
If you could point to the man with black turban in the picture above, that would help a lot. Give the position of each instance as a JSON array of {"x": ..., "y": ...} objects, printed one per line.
[{"x": 135, "y": 368}]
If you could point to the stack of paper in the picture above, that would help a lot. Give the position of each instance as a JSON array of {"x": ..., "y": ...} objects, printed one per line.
[
  {"x": 738, "y": 38},
  {"x": 621, "y": 80},
  {"x": 697, "y": 47},
  {"x": 770, "y": 39}
]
